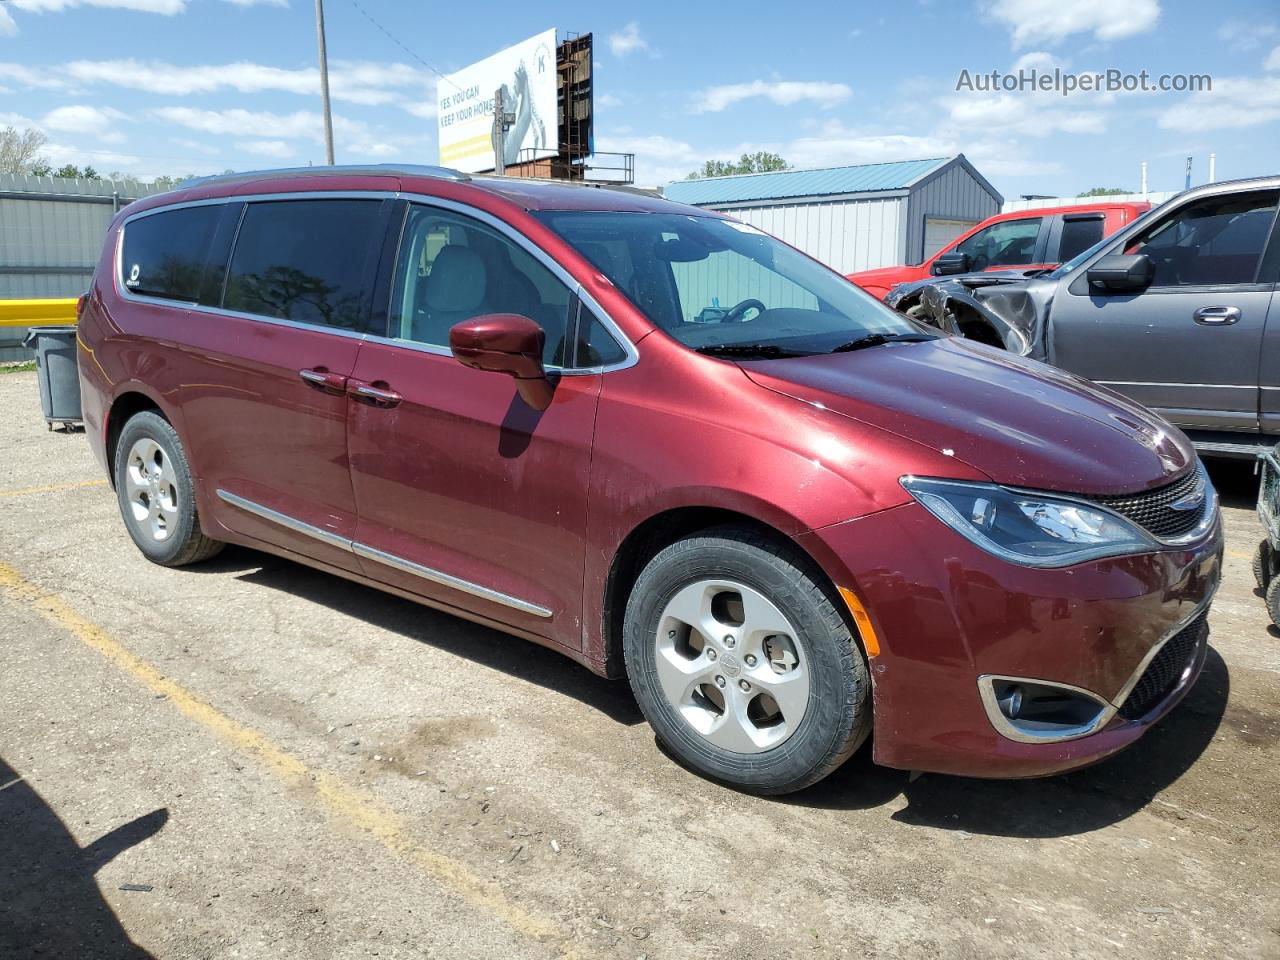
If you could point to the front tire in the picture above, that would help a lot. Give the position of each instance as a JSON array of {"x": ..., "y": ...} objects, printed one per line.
[
  {"x": 157, "y": 495},
  {"x": 742, "y": 663}
]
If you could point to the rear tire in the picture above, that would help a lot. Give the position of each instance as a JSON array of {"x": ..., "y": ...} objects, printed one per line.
[
  {"x": 768, "y": 691},
  {"x": 1273, "y": 601},
  {"x": 1262, "y": 565},
  {"x": 157, "y": 495}
]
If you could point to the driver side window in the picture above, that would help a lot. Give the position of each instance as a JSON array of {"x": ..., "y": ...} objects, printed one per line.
[
  {"x": 1010, "y": 242},
  {"x": 1218, "y": 240},
  {"x": 453, "y": 268}
]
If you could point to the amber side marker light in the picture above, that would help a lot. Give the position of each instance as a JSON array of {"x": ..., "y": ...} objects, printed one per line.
[{"x": 869, "y": 639}]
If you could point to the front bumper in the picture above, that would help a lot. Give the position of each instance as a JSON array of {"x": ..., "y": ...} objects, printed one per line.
[{"x": 947, "y": 613}]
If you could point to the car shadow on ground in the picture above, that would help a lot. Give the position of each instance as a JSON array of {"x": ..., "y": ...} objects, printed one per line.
[
  {"x": 50, "y": 904},
  {"x": 1236, "y": 481},
  {"x": 1056, "y": 806},
  {"x": 492, "y": 648}
]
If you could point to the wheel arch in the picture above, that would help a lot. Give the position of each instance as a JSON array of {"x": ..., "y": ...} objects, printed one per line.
[
  {"x": 649, "y": 537},
  {"x": 129, "y": 402}
]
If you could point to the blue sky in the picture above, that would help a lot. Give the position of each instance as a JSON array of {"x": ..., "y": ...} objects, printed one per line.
[{"x": 153, "y": 87}]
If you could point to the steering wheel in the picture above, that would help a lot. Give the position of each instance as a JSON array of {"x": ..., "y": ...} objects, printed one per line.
[{"x": 735, "y": 313}]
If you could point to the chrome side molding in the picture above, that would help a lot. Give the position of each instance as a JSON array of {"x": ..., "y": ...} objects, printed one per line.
[{"x": 366, "y": 552}]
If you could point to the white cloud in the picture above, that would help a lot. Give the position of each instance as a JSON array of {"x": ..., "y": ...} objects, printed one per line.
[
  {"x": 8, "y": 27},
  {"x": 267, "y": 148},
  {"x": 782, "y": 92},
  {"x": 82, "y": 119},
  {"x": 1246, "y": 34},
  {"x": 166, "y": 7},
  {"x": 423, "y": 109},
  {"x": 1051, "y": 21},
  {"x": 1032, "y": 115},
  {"x": 629, "y": 40},
  {"x": 1232, "y": 103},
  {"x": 359, "y": 82},
  {"x": 259, "y": 3},
  {"x": 244, "y": 123},
  {"x": 607, "y": 101},
  {"x": 1273, "y": 61},
  {"x": 659, "y": 159}
]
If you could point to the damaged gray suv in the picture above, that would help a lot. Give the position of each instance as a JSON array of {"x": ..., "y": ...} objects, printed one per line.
[{"x": 1178, "y": 310}]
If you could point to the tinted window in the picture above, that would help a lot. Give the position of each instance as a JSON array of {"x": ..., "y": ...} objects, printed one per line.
[
  {"x": 1078, "y": 235},
  {"x": 595, "y": 346},
  {"x": 165, "y": 253},
  {"x": 1216, "y": 240},
  {"x": 1008, "y": 243},
  {"x": 453, "y": 268},
  {"x": 306, "y": 261}
]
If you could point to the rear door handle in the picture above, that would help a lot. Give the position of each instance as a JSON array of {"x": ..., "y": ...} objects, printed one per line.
[
  {"x": 322, "y": 379},
  {"x": 372, "y": 393},
  {"x": 1216, "y": 316}
]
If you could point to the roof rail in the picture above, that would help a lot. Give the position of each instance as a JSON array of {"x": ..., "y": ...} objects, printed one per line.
[{"x": 376, "y": 169}]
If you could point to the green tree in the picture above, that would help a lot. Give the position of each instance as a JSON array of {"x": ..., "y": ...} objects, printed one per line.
[
  {"x": 1104, "y": 192},
  {"x": 759, "y": 162},
  {"x": 20, "y": 152}
]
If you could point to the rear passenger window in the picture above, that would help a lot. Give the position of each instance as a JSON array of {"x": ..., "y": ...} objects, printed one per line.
[
  {"x": 165, "y": 253},
  {"x": 306, "y": 260},
  {"x": 1078, "y": 235}
]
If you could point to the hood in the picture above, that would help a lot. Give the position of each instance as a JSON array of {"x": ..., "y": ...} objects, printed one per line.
[
  {"x": 881, "y": 276},
  {"x": 1020, "y": 422}
]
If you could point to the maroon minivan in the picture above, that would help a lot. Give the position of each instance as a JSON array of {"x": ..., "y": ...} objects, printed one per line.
[{"x": 664, "y": 443}]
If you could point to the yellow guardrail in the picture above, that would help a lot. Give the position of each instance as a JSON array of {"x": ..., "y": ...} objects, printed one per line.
[{"x": 36, "y": 313}]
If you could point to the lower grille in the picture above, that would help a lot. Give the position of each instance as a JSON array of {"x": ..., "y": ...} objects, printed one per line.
[
  {"x": 1163, "y": 673},
  {"x": 1151, "y": 510}
]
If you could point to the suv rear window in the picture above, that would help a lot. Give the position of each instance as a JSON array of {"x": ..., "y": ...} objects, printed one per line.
[
  {"x": 306, "y": 260},
  {"x": 165, "y": 253}
]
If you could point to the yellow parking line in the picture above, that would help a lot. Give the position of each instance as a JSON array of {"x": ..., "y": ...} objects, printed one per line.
[
  {"x": 349, "y": 805},
  {"x": 51, "y": 488}
]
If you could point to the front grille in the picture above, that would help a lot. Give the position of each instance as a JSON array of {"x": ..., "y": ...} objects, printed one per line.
[
  {"x": 1151, "y": 510},
  {"x": 1165, "y": 670}
]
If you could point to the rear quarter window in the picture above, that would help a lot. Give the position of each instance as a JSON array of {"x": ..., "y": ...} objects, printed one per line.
[{"x": 165, "y": 254}]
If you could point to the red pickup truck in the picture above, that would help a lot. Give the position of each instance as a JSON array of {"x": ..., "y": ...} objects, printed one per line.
[{"x": 1035, "y": 239}]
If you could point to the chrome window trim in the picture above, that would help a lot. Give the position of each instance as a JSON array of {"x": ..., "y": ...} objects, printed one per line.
[
  {"x": 381, "y": 556},
  {"x": 1006, "y": 728},
  {"x": 576, "y": 288}
]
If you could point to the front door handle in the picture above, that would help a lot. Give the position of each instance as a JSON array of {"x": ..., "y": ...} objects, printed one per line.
[
  {"x": 1216, "y": 316},
  {"x": 323, "y": 380},
  {"x": 375, "y": 394}
]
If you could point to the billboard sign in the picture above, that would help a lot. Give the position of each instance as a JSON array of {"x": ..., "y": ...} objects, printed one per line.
[{"x": 526, "y": 73}]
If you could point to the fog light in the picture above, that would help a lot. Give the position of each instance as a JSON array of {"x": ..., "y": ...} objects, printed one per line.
[{"x": 1035, "y": 711}]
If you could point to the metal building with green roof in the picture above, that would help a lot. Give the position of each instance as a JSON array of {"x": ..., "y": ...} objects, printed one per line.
[{"x": 856, "y": 217}]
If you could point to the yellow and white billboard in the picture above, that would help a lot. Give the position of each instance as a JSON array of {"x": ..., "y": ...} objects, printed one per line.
[{"x": 526, "y": 73}]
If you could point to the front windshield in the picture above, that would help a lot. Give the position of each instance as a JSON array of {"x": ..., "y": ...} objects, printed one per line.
[{"x": 720, "y": 286}]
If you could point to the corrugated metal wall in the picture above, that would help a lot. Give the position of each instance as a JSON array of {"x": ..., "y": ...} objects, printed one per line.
[
  {"x": 848, "y": 235},
  {"x": 51, "y": 233},
  {"x": 952, "y": 195}
]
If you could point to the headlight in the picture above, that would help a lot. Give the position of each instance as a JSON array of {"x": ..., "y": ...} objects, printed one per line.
[{"x": 1032, "y": 529}]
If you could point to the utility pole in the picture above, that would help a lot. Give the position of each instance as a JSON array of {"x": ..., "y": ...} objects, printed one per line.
[
  {"x": 1188, "y": 184},
  {"x": 324, "y": 84}
]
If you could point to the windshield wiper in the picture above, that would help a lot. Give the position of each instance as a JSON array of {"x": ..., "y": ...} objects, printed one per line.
[
  {"x": 875, "y": 339},
  {"x": 762, "y": 351}
]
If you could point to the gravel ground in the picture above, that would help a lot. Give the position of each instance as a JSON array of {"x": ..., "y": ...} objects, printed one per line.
[{"x": 252, "y": 759}]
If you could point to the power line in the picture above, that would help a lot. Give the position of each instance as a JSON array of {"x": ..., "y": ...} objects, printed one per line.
[{"x": 396, "y": 40}]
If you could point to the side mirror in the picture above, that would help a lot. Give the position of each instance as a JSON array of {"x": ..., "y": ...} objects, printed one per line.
[
  {"x": 505, "y": 343},
  {"x": 948, "y": 264},
  {"x": 1122, "y": 273}
]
